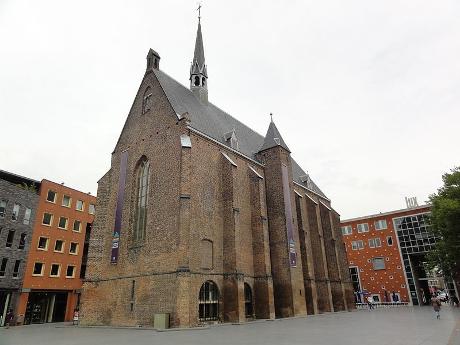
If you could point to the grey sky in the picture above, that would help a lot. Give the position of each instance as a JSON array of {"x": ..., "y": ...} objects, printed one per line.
[{"x": 365, "y": 93}]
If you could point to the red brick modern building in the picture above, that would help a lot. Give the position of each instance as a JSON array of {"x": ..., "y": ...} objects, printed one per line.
[{"x": 386, "y": 255}]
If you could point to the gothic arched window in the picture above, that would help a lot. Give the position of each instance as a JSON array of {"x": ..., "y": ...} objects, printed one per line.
[
  {"x": 147, "y": 100},
  {"x": 197, "y": 81},
  {"x": 142, "y": 185}
]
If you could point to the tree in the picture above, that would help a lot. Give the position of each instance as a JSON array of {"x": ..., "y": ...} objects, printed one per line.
[{"x": 445, "y": 224}]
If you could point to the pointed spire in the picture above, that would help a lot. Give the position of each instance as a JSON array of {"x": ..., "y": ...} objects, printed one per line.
[
  {"x": 273, "y": 138},
  {"x": 198, "y": 64},
  {"x": 198, "y": 71}
]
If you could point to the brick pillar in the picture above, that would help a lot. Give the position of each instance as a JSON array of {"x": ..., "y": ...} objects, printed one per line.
[
  {"x": 331, "y": 258},
  {"x": 287, "y": 277},
  {"x": 319, "y": 257},
  {"x": 264, "y": 307},
  {"x": 233, "y": 284},
  {"x": 182, "y": 315},
  {"x": 311, "y": 294},
  {"x": 347, "y": 285}
]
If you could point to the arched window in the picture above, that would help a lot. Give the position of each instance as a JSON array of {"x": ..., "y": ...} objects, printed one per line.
[
  {"x": 209, "y": 302},
  {"x": 142, "y": 185},
  {"x": 197, "y": 81},
  {"x": 248, "y": 300},
  {"x": 147, "y": 100},
  {"x": 203, "y": 81}
]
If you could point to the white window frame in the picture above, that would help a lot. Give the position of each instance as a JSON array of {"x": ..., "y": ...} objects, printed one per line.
[
  {"x": 91, "y": 209},
  {"x": 82, "y": 205},
  {"x": 59, "y": 270},
  {"x": 51, "y": 219},
  {"x": 27, "y": 215},
  {"x": 70, "y": 201},
  {"x": 378, "y": 223},
  {"x": 66, "y": 223},
  {"x": 42, "y": 270},
  {"x": 73, "y": 272},
  {"x": 373, "y": 263},
  {"x": 76, "y": 249},
  {"x": 79, "y": 227},
  {"x": 62, "y": 248},
  {"x": 360, "y": 227},
  {"x": 55, "y": 196},
  {"x": 347, "y": 230}
]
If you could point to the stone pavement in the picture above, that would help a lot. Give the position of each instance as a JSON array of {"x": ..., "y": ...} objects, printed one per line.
[{"x": 393, "y": 326}]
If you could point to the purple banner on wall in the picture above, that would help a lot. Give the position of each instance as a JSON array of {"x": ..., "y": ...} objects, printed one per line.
[
  {"x": 288, "y": 214},
  {"x": 119, "y": 209}
]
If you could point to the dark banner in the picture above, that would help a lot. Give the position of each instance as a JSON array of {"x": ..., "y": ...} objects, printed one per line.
[
  {"x": 119, "y": 209},
  {"x": 288, "y": 214}
]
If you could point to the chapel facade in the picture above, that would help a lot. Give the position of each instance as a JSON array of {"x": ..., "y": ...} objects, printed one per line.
[{"x": 202, "y": 218}]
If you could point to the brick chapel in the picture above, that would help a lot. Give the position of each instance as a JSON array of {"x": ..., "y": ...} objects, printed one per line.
[{"x": 204, "y": 219}]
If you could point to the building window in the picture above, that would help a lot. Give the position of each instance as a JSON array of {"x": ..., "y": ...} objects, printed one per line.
[
  {"x": 147, "y": 100},
  {"x": 43, "y": 243},
  {"x": 59, "y": 246},
  {"x": 376, "y": 298},
  {"x": 3, "y": 267},
  {"x": 356, "y": 245},
  {"x": 27, "y": 215},
  {"x": 51, "y": 196},
  {"x": 141, "y": 199},
  {"x": 17, "y": 263},
  {"x": 70, "y": 273},
  {"x": 80, "y": 205},
  {"x": 248, "y": 306},
  {"x": 2, "y": 208},
  {"x": 347, "y": 230},
  {"x": 208, "y": 303},
  {"x": 389, "y": 240},
  {"x": 38, "y": 269},
  {"x": 10, "y": 238},
  {"x": 378, "y": 263},
  {"x": 73, "y": 248},
  {"x": 15, "y": 214},
  {"x": 363, "y": 227},
  {"x": 62, "y": 223},
  {"x": 380, "y": 224},
  {"x": 91, "y": 209},
  {"x": 375, "y": 242},
  {"x": 133, "y": 294},
  {"x": 22, "y": 241},
  {"x": 66, "y": 201},
  {"x": 47, "y": 219},
  {"x": 55, "y": 270},
  {"x": 76, "y": 226}
]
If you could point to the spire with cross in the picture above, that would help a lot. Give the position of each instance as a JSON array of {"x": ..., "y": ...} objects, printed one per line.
[{"x": 199, "y": 12}]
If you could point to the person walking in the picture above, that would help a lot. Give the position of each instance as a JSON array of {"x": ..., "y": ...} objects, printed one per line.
[
  {"x": 9, "y": 318},
  {"x": 370, "y": 303},
  {"x": 436, "y": 303}
]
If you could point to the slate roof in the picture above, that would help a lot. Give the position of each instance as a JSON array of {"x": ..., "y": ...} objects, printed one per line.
[
  {"x": 273, "y": 138},
  {"x": 215, "y": 123}
]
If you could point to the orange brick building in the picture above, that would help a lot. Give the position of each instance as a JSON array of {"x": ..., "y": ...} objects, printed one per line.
[
  {"x": 54, "y": 271},
  {"x": 385, "y": 255}
]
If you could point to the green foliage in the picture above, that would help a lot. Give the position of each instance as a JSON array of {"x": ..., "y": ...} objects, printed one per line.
[
  {"x": 28, "y": 187},
  {"x": 445, "y": 223}
]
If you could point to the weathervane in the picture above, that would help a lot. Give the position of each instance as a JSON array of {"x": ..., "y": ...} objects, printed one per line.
[{"x": 199, "y": 12}]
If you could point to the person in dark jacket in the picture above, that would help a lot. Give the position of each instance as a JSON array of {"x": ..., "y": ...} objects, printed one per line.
[{"x": 9, "y": 318}]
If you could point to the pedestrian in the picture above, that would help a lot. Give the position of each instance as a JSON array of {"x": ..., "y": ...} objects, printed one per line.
[
  {"x": 436, "y": 303},
  {"x": 370, "y": 303},
  {"x": 455, "y": 300},
  {"x": 76, "y": 316},
  {"x": 9, "y": 318}
]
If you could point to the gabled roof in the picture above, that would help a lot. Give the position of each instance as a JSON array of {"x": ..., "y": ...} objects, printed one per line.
[
  {"x": 215, "y": 123},
  {"x": 273, "y": 138}
]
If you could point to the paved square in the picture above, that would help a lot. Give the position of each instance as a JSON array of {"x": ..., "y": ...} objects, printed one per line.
[{"x": 395, "y": 326}]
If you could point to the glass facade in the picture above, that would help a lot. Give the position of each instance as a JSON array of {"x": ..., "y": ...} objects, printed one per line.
[{"x": 415, "y": 240}]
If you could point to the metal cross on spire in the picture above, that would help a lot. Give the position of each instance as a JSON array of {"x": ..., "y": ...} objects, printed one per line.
[
  {"x": 271, "y": 117},
  {"x": 199, "y": 12}
]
